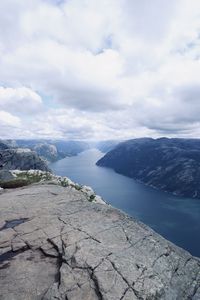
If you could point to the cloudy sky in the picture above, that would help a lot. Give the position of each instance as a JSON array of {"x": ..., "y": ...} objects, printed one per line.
[{"x": 90, "y": 69}]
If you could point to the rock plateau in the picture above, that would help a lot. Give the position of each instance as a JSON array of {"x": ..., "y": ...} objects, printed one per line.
[{"x": 55, "y": 244}]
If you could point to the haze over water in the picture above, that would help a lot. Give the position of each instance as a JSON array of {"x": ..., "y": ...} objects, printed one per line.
[{"x": 176, "y": 218}]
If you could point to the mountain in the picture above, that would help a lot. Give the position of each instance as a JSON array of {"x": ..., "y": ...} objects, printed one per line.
[
  {"x": 70, "y": 148},
  {"x": 172, "y": 165},
  {"x": 56, "y": 243},
  {"x": 21, "y": 159},
  {"x": 106, "y": 146},
  {"x": 47, "y": 151},
  {"x": 3, "y": 145},
  {"x": 50, "y": 150}
]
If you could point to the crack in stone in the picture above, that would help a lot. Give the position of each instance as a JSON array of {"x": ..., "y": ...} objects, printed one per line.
[
  {"x": 67, "y": 262},
  {"x": 175, "y": 271},
  {"x": 140, "y": 276},
  {"x": 165, "y": 254},
  {"x": 124, "y": 293},
  {"x": 89, "y": 236},
  {"x": 47, "y": 254},
  {"x": 187, "y": 261},
  {"x": 59, "y": 258},
  {"x": 22, "y": 234},
  {"x": 102, "y": 260},
  {"x": 94, "y": 278},
  {"x": 80, "y": 230},
  {"x": 90, "y": 270},
  {"x": 124, "y": 279},
  {"x": 127, "y": 237},
  {"x": 141, "y": 240},
  {"x": 96, "y": 285}
]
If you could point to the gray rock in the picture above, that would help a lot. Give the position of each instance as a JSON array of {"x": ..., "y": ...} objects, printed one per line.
[
  {"x": 6, "y": 175},
  {"x": 21, "y": 159},
  {"x": 3, "y": 145},
  {"x": 47, "y": 151},
  {"x": 69, "y": 248}
]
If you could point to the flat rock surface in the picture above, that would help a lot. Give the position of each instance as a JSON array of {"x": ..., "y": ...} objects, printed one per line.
[{"x": 55, "y": 244}]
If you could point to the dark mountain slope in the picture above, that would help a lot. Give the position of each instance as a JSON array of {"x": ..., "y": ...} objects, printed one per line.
[{"x": 172, "y": 165}]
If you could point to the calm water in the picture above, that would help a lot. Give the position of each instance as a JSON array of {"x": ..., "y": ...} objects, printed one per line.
[{"x": 177, "y": 219}]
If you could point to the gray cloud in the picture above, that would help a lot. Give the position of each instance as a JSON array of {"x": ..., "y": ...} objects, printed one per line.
[{"x": 99, "y": 69}]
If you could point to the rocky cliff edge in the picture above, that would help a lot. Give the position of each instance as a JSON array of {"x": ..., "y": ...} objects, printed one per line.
[{"x": 55, "y": 244}]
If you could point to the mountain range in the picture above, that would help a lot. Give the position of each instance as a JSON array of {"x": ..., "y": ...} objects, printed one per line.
[
  {"x": 49, "y": 150},
  {"x": 172, "y": 165}
]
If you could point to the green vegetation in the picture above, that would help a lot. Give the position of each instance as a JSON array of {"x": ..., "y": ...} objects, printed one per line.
[
  {"x": 25, "y": 178},
  {"x": 77, "y": 187},
  {"x": 64, "y": 182},
  {"x": 15, "y": 183},
  {"x": 92, "y": 197},
  {"x": 37, "y": 176}
]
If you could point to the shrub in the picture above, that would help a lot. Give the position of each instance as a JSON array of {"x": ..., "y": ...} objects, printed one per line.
[
  {"x": 91, "y": 198},
  {"x": 15, "y": 183}
]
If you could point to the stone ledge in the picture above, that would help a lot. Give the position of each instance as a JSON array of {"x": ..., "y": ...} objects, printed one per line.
[{"x": 61, "y": 246}]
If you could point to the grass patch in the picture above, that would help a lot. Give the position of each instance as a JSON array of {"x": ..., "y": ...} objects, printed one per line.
[
  {"x": 25, "y": 178},
  {"x": 34, "y": 177},
  {"x": 15, "y": 183}
]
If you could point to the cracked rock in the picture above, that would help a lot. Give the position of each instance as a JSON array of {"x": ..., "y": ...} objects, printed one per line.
[{"x": 69, "y": 249}]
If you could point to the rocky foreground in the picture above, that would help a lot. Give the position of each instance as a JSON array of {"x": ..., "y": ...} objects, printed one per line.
[{"x": 55, "y": 244}]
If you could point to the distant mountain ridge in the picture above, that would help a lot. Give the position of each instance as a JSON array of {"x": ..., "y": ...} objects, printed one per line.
[
  {"x": 50, "y": 150},
  {"x": 106, "y": 146},
  {"x": 172, "y": 165}
]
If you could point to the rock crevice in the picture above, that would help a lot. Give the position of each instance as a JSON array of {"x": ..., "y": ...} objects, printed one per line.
[{"x": 70, "y": 248}]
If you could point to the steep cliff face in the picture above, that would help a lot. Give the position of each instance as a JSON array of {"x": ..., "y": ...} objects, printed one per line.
[
  {"x": 3, "y": 145},
  {"x": 22, "y": 159},
  {"x": 53, "y": 150},
  {"x": 47, "y": 152},
  {"x": 55, "y": 244},
  {"x": 172, "y": 165}
]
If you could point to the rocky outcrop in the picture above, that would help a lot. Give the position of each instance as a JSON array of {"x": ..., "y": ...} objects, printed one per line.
[
  {"x": 47, "y": 152},
  {"x": 22, "y": 159},
  {"x": 3, "y": 145},
  {"x": 6, "y": 175},
  {"x": 172, "y": 165},
  {"x": 55, "y": 244},
  {"x": 52, "y": 150}
]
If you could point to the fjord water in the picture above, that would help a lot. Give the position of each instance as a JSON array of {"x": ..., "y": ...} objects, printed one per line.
[{"x": 176, "y": 218}]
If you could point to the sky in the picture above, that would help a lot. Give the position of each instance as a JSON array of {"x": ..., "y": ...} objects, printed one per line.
[{"x": 97, "y": 70}]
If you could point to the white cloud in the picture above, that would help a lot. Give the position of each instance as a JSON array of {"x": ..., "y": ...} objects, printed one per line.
[
  {"x": 20, "y": 100},
  {"x": 117, "y": 68},
  {"x": 9, "y": 125},
  {"x": 8, "y": 119}
]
